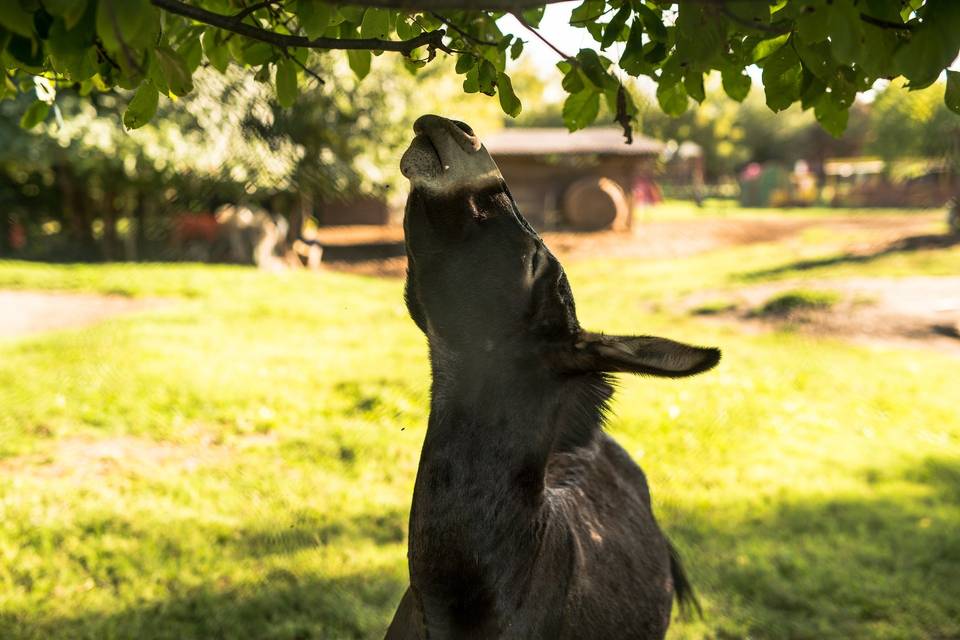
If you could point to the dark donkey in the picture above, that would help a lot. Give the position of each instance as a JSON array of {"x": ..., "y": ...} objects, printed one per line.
[{"x": 528, "y": 521}]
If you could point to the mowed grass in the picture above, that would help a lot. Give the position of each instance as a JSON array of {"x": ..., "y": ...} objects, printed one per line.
[{"x": 239, "y": 462}]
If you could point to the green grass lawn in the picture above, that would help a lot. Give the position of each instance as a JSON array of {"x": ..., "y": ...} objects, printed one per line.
[{"x": 239, "y": 463}]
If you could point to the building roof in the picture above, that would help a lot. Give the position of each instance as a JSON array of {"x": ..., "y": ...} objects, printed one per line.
[{"x": 524, "y": 141}]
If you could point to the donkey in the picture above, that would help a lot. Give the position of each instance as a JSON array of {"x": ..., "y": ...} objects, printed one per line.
[{"x": 527, "y": 521}]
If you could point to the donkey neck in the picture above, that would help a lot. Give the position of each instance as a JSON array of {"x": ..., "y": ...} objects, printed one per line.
[{"x": 479, "y": 512}]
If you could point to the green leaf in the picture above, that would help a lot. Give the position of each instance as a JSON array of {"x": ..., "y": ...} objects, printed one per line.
[
  {"x": 813, "y": 23},
  {"x": 846, "y": 33},
  {"x": 932, "y": 46},
  {"x": 375, "y": 24},
  {"x": 35, "y": 114},
  {"x": 17, "y": 20},
  {"x": 589, "y": 11},
  {"x": 465, "y": 62},
  {"x": 653, "y": 22},
  {"x": 534, "y": 16},
  {"x": 632, "y": 59},
  {"x": 818, "y": 60},
  {"x": 314, "y": 17},
  {"x": 175, "y": 71},
  {"x": 693, "y": 83},
  {"x": 750, "y": 12},
  {"x": 581, "y": 109},
  {"x": 487, "y": 77},
  {"x": 573, "y": 81},
  {"x": 359, "y": 60},
  {"x": 407, "y": 30},
  {"x": 615, "y": 27},
  {"x": 736, "y": 83},
  {"x": 215, "y": 50},
  {"x": 252, "y": 53},
  {"x": 71, "y": 50},
  {"x": 516, "y": 49},
  {"x": 191, "y": 52},
  {"x": 952, "y": 96},
  {"x": 700, "y": 35},
  {"x": 496, "y": 56},
  {"x": 130, "y": 24},
  {"x": 831, "y": 115},
  {"x": 768, "y": 47},
  {"x": 782, "y": 76},
  {"x": 286, "y": 82},
  {"x": 879, "y": 43},
  {"x": 508, "y": 99},
  {"x": 471, "y": 84},
  {"x": 142, "y": 107},
  {"x": 595, "y": 70},
  {"x": 155, "y": 74},
  {"x": 672, "y": 98},
  {"x": 812, "y": 88},
  {"x": 70, "y": 10},
  {"x": 353, "y": 15}
]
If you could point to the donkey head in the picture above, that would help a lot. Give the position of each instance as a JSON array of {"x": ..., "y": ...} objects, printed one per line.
[{"x": 480, "y": 279}]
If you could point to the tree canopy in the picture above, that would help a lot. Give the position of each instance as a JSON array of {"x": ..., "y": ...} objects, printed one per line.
[{"x": 818, "y": 53}]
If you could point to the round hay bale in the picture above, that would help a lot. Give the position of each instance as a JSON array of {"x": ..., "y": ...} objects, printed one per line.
[{"x": 595, "y": 203}]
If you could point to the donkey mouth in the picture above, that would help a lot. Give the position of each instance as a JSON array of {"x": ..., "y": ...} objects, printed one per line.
[{"x": 421, "y": 159}]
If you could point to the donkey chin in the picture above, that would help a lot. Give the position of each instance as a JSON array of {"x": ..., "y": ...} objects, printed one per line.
[{"x": 528, "y": 520}]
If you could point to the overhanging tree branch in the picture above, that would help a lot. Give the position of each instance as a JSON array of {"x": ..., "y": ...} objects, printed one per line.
[
  {"x": 529, "y": 27},
  {"x": 464, "y": 5},
  {"x": 433, "y": 39}
]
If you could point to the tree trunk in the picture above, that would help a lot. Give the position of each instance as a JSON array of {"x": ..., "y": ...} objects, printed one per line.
[
  {"x": 78, "y": 225},
  {"x": 109, "y": 241},
  {"x": 140, "y": 241}
]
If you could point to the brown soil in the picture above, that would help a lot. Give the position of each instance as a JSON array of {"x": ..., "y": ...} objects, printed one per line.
[
  {"x": 25, "y": 312},
  {"x": 81, "y": 458},
  {"x": 913, "y": 311},
  {"x": 378, "y": 251},
  {"x": 85, "y": 459}
]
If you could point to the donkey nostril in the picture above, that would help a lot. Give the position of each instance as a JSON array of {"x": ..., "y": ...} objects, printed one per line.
[{"x": 464, "y": 127}]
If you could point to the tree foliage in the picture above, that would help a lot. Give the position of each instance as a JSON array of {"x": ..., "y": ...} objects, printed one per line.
[{"x": 816, "y": 53}]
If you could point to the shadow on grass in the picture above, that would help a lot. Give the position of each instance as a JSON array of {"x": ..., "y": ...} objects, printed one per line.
[
  {"x": 281, "y": 606},
  {"x": 883, "y": 566},
  {"x": 903, "y": 245},
  {"x": 882, "y": 563},
  {"x": 307, "y": 531},
  {"x": 286, "y": 602}
]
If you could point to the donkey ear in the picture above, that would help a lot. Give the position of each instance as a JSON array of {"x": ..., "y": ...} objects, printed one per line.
[{"x": 639, "y": 354}]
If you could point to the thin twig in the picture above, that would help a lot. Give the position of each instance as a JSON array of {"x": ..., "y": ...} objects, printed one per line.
[
  {"x": 468, "y": 36},
  {"x": 759, "y": 26},
  {"x": 306, "y": 69},
  {"x": 529, "y": 27},
  {"x": 98, "y": 43},
  {"x": 886, "y": 24},
  {"x": 240, "y": 15},
  {"x": 590, "y": 19}
]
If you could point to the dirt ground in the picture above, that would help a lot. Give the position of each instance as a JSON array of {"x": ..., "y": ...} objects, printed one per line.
[
  {"x": 919, "y": 311},
  {"x": 915, "y": 311},
  {"x": 378, "y": 251},
  {"x": 25, "y": 312}
]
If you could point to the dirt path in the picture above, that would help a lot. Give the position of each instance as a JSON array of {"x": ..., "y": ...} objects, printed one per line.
[
  {"x": 26, "y": 312},
  {"x": 379, "y": 251},
  {"x": 919, "y": 311}
]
